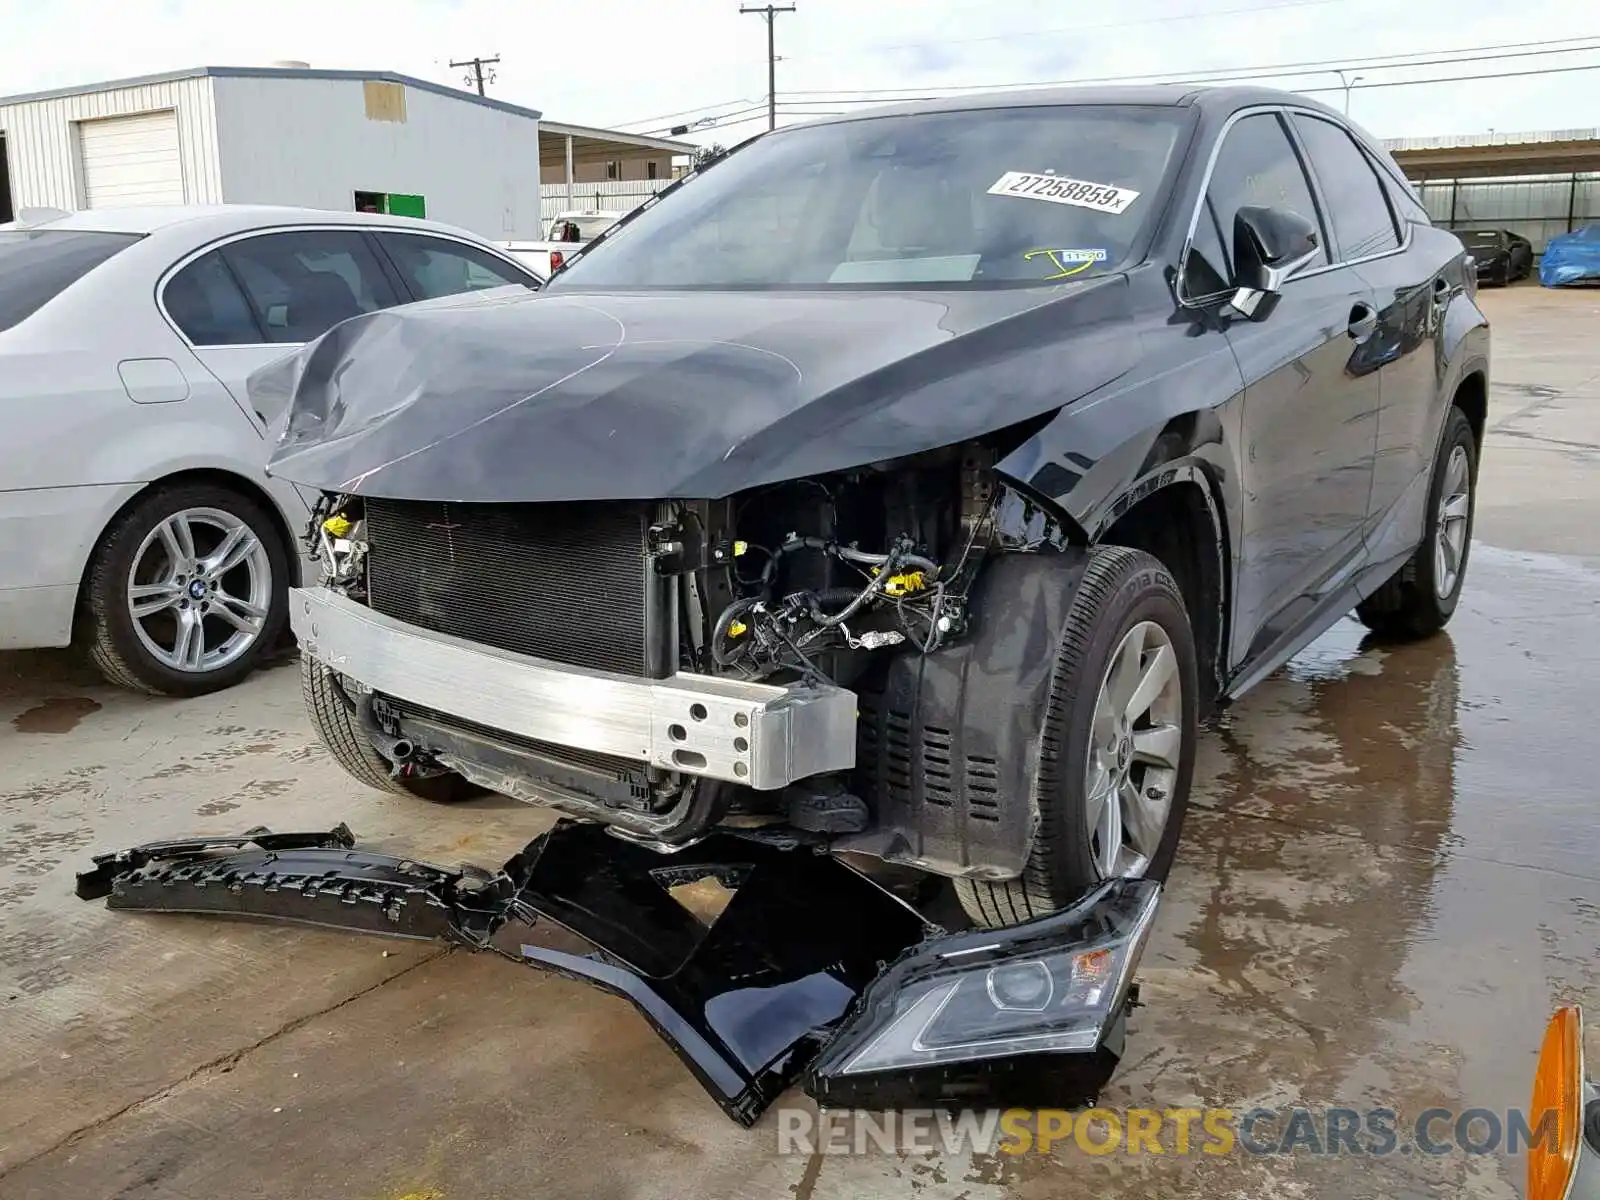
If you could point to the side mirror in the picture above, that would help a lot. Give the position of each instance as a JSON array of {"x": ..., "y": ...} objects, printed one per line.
[{"x": 1269, "y": 246}]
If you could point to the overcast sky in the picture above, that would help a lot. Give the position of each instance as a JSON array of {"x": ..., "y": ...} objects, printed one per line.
[{"x": 640, "y": 61}]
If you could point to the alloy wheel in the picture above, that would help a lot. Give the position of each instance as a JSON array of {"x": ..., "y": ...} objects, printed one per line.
[
  {"x": 200, "y": 589},
  {"x": 1450, "y": 529},
  {"x": 1134, "y": 749}
]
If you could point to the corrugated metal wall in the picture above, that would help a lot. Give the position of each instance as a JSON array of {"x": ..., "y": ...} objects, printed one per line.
[
  {"x": 42, "y": 143},
  {"x": 1538, "y": 209},
  {"x": 317, "y": 142}
]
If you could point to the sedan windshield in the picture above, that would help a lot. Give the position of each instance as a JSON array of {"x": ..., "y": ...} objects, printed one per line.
[
  {"x": 36, "y": 265},
  {"x": 988, "y": 196}
]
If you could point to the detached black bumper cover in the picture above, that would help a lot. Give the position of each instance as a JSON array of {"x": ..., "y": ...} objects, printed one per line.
[{"x": 808, "y": 963}]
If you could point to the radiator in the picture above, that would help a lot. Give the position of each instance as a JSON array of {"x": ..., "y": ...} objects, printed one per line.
[{"x": 564, "y": 582}]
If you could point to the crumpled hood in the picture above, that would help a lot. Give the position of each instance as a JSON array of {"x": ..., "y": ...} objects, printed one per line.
[{"x": 572, "y": 396}]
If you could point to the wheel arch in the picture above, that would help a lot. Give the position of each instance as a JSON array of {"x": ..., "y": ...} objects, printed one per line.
[
  {"x": 217, "y": 477},
  {"x": 1472, "y": 398},
  {"x": 1176, "y": 515}
]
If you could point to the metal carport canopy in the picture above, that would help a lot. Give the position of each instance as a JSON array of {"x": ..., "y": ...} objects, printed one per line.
[
  {"x": 561, "y": 147},
  {"x": 1498, "y": 155}
]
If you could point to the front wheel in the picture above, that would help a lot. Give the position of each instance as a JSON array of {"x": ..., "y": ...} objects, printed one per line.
[
  {"x": 1118, "y": 744},
  {"x": 1422, "y": 596}
]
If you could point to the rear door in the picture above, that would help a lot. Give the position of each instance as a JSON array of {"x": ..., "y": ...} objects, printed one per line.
[
  {"x": 1412, "y": 281},
  {"x": 1310, "y": 403}
]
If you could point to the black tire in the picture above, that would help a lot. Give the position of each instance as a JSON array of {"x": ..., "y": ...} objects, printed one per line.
[
  {"x": 1119, "y": 589},
  {"x": 1409, "y": 606},
  {"x": 109, "y": 636},
  {"x": 340, "y": 730}
]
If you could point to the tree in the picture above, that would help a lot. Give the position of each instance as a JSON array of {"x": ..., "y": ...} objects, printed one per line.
[{"x": 706, "y": 155}]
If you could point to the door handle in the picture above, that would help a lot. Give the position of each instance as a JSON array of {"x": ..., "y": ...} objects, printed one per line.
[{"x": 1363, "y": 322}]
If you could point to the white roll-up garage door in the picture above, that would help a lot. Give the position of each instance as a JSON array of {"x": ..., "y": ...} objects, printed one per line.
[{"x": 131, "y": 160}]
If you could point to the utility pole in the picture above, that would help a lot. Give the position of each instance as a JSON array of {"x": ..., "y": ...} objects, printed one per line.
[
  {"x": 770, "y": 12},
  {"x": 477, "y": 75}
]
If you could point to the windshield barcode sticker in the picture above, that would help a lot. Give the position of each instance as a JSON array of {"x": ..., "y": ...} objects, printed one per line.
[{"x": 1058, "y": 189}]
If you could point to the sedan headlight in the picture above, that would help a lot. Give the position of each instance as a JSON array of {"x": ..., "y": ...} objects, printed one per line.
[{"x": 1024, "y": 1001}]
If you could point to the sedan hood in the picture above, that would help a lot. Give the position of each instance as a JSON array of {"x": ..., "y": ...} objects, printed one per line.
[{"x": 573, "y": 396}]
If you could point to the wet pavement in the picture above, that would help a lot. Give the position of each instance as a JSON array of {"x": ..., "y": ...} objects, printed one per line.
[{"x": 1391, "y": 874}]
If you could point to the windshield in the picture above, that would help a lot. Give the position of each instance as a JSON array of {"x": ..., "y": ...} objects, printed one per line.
[
  {"x": 1483, "y": 237},
  {"x": 986, "y": 196},
  {"x": 36, "y": 265}
]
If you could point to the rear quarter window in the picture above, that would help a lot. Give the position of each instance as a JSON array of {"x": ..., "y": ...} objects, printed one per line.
[{"x": 37, "y": 265}]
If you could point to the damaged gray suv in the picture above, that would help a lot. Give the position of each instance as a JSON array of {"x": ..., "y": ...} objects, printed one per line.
[{"x": 910, "y": 484}]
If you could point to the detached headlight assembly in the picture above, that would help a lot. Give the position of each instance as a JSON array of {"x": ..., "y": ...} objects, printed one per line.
[{"x": 1039, "y": 1006}]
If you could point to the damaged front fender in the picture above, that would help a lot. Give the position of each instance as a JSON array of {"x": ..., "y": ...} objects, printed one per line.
[{"x": 754, "y": 961}]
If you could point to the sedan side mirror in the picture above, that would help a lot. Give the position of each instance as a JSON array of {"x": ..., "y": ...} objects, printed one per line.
[{"x": 1269, "y": 246}]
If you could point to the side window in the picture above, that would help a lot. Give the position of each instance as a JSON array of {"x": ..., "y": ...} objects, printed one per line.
[
  {"x": 434, "y": 267},
  {"x": 1257, "y": 165},
  {"x": 302, "y": 283},
  {"x": 1403, "y": 198},
  {"x": 1206, "y": 274},
  {"x": 205, "y": 302},
  {"x": 1357, "y": 207}
]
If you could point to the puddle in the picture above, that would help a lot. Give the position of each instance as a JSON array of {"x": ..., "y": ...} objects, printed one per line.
[
  {"x": 60, "y": 714},
  {"x": 1390, "y": 875}
]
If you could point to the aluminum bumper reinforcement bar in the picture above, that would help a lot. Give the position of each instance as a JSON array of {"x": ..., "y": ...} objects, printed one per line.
[{"x": 758, "y": 734}]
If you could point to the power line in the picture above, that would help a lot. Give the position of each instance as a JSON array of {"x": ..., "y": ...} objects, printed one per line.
[
  {"x": 744, "y": 114},
  {"x": 770, "y": 12},
  {"x": 1360, "y": 87},
  {"x": 685, "y": 112},
  {"x": 1250, "y": 10},
  {"x": 819, "y": 100},
  {"x": 1224, "y": 74},
  {"x": 1415, "y": 58}
]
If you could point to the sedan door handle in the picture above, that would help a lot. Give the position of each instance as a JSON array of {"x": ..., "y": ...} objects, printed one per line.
[{"x": 1363, "y": 322}]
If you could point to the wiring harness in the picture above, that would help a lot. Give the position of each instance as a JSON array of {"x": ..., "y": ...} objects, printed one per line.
[{"x": 904, "y": 598}]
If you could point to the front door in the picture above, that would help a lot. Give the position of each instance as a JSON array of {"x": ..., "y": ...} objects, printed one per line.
[
  {"x": 1311, "y": 400},
  {"x": 1311, "y": 407}
]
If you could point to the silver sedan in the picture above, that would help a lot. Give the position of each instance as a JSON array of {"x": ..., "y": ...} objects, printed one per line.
[{"x": 135, "y": 516}]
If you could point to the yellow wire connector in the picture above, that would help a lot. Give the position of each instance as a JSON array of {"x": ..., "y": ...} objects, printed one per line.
[
  {"x": 739, "y": 548},
  {"x": 337, "y": 525},
  {"x": 904, "y": 585},
  {"x": 736, "y": 628}
]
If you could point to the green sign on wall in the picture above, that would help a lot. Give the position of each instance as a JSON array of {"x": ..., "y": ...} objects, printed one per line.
[
  {"x": 406, "y": 206},
  {"x": 397, "y": 204}
]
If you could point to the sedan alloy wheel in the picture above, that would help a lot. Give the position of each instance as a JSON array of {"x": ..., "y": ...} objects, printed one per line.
[{"x": 200, "y": 589}]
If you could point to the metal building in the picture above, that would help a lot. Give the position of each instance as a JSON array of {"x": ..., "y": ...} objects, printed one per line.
[
  {"x": 343, "y": 140},
  {"x": 1538, "y": 185}
]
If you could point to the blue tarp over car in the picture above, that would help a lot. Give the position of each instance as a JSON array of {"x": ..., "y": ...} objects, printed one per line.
[{"x": 1571, "y": 258}]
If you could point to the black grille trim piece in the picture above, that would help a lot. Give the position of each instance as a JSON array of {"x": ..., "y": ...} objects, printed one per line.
[{"x": 565, "y": 582}]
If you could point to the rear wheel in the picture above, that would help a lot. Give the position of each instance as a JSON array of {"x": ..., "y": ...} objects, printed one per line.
[
  {"x": 1118, "y": 742},
  {"x": 1422, "y": 596},
  {"x": 333, "y": 715},
  {"x": 186, "y": 591}
]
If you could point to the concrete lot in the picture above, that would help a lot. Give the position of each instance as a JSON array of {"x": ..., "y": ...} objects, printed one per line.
[{"x": 1390, "y": 878}]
